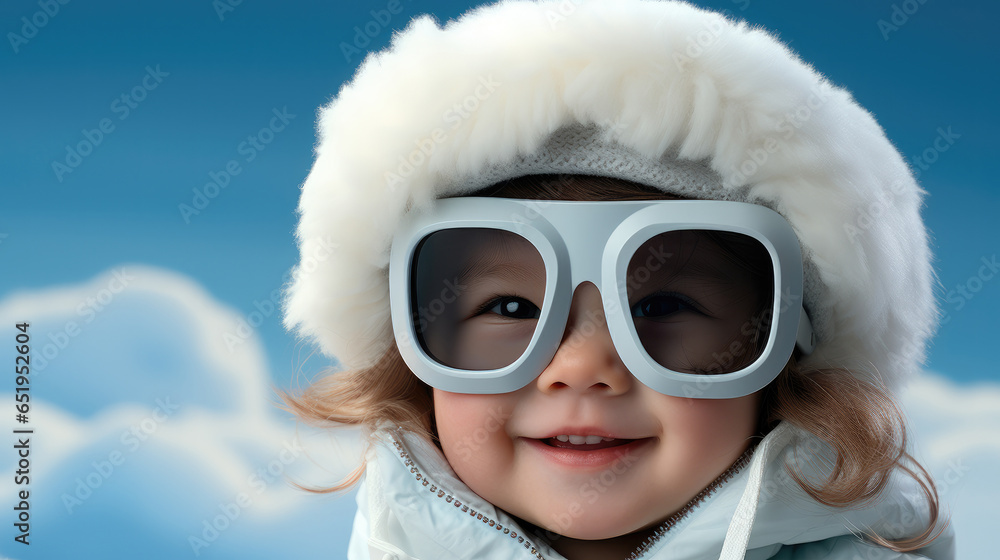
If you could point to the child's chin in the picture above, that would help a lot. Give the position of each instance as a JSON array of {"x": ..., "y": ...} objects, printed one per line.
[{"x": 598, "y": 529}]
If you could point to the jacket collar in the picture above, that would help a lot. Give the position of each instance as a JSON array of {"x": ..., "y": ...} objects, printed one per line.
[
  {"x": 441, "y": 513},
  {"x": 420, "y": 505}
]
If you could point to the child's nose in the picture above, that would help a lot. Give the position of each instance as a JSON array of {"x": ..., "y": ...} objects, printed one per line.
[{"x": 586, "y": 360}]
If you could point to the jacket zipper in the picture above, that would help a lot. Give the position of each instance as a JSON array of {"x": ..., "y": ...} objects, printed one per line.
[{"x": 638, "y": 553}]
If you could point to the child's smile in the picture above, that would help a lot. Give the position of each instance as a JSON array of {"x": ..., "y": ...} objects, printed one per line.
[
  {"x": 588, "y": 452},
  {"x": 598, "y": 455}
]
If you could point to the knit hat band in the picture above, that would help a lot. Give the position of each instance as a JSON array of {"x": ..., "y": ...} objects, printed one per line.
[{"x": 589, "y": 150}]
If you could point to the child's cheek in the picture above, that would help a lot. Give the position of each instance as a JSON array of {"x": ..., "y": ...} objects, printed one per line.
[
  {"x": 471, "y": 429},
  {"x": 720, "y": 424}
]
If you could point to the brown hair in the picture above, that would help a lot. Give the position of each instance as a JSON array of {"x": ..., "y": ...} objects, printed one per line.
[{"x": 858, "y": 419}]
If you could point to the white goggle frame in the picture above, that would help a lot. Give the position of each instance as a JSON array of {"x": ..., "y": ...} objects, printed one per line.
[{"x": 594, "y": 241}]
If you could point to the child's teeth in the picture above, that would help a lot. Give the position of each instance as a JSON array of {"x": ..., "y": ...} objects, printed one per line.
[{"x": 583, "y": 440}]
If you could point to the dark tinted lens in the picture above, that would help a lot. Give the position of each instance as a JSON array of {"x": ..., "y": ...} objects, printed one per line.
[
  {"x": 477, "y": 296},
  {"x": 702, "y": 300}
]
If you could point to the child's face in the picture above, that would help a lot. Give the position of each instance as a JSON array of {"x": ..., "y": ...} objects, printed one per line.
[{"x": 499, "y": 444}]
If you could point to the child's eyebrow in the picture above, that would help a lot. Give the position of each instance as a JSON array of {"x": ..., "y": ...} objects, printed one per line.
[
  {"x": 490, "y": 268},
  {"x": 709, "y": 271}
]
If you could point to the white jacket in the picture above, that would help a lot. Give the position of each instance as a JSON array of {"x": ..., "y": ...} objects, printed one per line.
[{"x": 412, "y": 506}]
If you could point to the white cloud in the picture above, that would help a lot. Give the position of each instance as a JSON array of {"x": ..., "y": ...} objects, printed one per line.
[
  {"x": 140, "y": 407},
  {"x": 955, "y": 430}
]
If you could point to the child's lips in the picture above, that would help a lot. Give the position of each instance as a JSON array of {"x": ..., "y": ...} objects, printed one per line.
[{"x": 589, "y": 457}]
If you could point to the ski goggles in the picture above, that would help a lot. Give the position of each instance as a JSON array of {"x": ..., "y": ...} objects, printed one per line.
[{"x": 702, "y": 299}]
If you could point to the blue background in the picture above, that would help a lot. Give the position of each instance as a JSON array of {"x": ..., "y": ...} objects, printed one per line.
[{"x": 226, "y": 72}]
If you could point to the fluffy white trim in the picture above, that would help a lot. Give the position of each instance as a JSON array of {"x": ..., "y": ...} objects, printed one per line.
[{"x": 424, "y": 117}]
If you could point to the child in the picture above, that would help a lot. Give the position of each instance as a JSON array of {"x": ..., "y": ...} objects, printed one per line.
[{"x": 615, "y": 280}]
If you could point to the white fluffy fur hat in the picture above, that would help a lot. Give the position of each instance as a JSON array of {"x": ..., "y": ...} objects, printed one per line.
[{"x": 661, "y": 86}]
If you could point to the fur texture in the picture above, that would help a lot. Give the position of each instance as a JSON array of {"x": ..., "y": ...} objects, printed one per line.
[{"x": 423, "y": 118}]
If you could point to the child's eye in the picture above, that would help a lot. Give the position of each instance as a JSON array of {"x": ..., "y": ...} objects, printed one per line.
[
  {"x": 511, "y": 306},
  {"x": 662, "y": 305}
]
